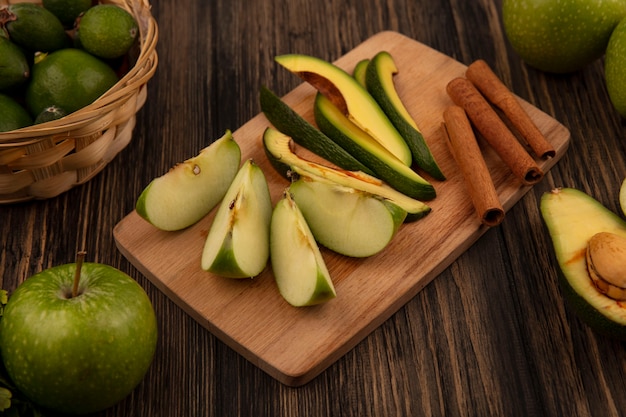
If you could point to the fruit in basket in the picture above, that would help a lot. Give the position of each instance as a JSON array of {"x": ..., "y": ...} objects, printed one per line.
[
  {"x": 12, "y": 114},
  {"x": 237, "y": 245},
  {"x": 560, "y": 36},
  {"x": 69, "y": 78},
  {"x": 78, "y": 353},
  {"x": 191, "y": 189},
  {"x": 49, "y": 114},
  {"x": 350, "y": 222},
  {"x": 107, "y": 31},
  {"x": 350, "y": 97},
  {"x": 615, "y": 68},
  {"x": 33, "y": 27},
  {"x": 14, "y": 68},
  {"x": 590, "y": 246},
  {"x": 67, "y": 10},
  {"x": 299, "y": 269}
]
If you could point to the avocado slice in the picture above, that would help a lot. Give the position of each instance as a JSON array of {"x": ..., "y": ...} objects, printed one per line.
[
  {"x": 363, "y": 147},
  {"x": 359, "y": 71},
  {"x": 379, "y": 81},
  {"x": 285, "y": 119},
  {"x": 573, "y": 218},
  {"x": 351, "y": 98},
  {"x": 277, "y": 148}
]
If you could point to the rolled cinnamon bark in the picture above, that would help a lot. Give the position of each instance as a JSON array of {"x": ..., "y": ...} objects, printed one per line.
[
  {"x": 488, "y": 83},
  {"x": 465, "y": 150},
  {"x": 465, "y": 95}
]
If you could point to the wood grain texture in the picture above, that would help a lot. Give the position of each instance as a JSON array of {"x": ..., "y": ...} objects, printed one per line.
[
  {"x": 295, "y": 345},
  {"x": 490, "y": 336}
]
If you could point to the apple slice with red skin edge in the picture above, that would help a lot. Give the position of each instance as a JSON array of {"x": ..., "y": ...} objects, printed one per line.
[
  {"x": 348, "y": 221},
  {"x": 277, "y": 148},
  {"x": 191, "y": 189},
  {"x": 351, "y": 98},
  {"x": 299, "y": 269},
  {"x": 237, "y": 245},
  {"x": 50, "y": 338}
]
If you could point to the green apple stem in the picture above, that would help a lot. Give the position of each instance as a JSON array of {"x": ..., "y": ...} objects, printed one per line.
[{"x": 80, "y": 257}]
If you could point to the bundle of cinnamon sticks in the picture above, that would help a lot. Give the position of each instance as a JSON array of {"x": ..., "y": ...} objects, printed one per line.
[{"x": 473, "y": 97}]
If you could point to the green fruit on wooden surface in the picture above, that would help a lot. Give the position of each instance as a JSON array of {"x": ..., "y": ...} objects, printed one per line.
[
  {"x": 14, "y": 68},
  {"x": 305, "y": 134},
  {"x": 574, "y": 219},
  {"x": 82, "y": 353},
  {"x": 351, "y": 98},
  {"x": 191, "y": 189},
  {"x": 379, "y": 80},
  {"x": 107, "y": 31},
  {"x": 560, "y": 36},
  {"x": 359, "y": 71},
  {"x": 70, "y": 79},
  {"x": 67, "y": 10},
  {"x": 33, "y": 27},
  {"x": 615, "y": 68},
  {"x": 278, "y": 151},
  {"x": 297, "y": 263},
  {"x": 622, "y": 197},
  {"x": 237, "y": 245},
  {"x": 12, "y": 114},
  {"x": 370, "y": 152},
  {"x": 347, "y": 221}
]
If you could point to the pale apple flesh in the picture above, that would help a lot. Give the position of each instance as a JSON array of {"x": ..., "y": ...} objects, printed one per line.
[
  {"x": 299, "y": 269},
  {"x": 237, "y": 245},
  {"x": 345, "y": 220},
  {"x": 191, "y": 189}
]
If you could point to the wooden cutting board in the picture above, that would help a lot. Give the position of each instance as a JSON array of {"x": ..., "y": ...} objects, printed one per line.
[{"x": 296, "y": 344}]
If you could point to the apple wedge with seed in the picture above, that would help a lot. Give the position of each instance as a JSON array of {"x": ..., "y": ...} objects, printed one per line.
[
  {"x": 299, "y": 269},
  {"x": 237, "y": 245},
  {"x": 191, "y": 189}
]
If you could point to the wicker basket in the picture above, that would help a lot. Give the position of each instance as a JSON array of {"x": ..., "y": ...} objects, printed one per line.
[{"x": 45, "y": 160}]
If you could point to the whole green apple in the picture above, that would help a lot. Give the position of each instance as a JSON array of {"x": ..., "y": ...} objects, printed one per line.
[
  {"x": 615, "y": 68},
  {"x": 560, "y": 36},
  {"x": 78, "y": 354}
]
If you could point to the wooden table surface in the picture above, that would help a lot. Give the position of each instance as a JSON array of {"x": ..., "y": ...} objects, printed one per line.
[{"x": 491, "y": 335}]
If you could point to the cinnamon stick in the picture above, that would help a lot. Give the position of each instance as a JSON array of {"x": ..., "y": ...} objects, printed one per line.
[
  {"x": 496, "y": 133},
  {"x": 465, "y": 150},
  {"x": 488, "y": 83}
]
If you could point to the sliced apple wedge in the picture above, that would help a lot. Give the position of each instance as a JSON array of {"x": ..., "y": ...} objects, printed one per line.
[
  {"x": 299, "y": 268},
  {"x": 348, "y": 221},
  {"x": 191, "y": 189},
  {"x": 237, "y": 245}
]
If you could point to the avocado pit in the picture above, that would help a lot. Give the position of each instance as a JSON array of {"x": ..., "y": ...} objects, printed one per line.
[{"x": 606, "y": 264}]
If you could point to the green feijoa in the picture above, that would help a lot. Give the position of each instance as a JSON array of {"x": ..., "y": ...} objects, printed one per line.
[
  {"x": 67, "y": 10},
  {"x": 33, "y": 27},
  {"x": 12, "y": 114},
  {"x": 14, "y": 69},
  {"x": 107, "y": 31},
  {"x": 49, "y": 114},
  {"x": 69, "y": 78}
]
